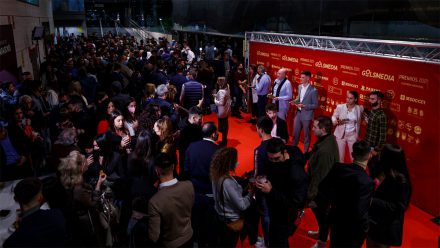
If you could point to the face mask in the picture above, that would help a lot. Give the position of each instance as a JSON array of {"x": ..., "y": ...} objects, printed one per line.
[{"x": 131, "y": 109}]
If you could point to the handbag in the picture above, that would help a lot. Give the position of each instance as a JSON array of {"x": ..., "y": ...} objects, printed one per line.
[{"x": 236, "y": 225}]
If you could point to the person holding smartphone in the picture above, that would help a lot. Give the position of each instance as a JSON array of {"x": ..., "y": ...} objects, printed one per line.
[
  {"x": 347, "y": 119},
  {"x": 285, "y": 189}
]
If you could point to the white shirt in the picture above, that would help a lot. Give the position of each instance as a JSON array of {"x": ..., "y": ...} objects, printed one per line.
[
  {"x": 350, "y": 126},
  {"x": 168, "y": 183},
  {"x": 209, "y": 140},
  {"x": 190, "y": 55},
  {"x": 303, "y": 93},
  {"x": 273, "y": 133}
]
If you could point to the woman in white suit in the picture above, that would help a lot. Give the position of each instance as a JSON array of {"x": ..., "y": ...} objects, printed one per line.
[{"x": 347, "y": 119}]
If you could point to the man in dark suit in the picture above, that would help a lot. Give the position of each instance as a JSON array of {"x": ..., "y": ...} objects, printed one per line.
[
  {"x": 197, "y": 164},
  {"x": 347, "y": 192},
  {"x": 279, "y": 128},
  {"x": 190, "y": 131},
  {"x": 169, "y": 210},
  {"x": 306, "y": 103},
  {"x": 38, "y": 228}
]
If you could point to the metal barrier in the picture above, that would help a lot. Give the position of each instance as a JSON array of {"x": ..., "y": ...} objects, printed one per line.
[{"x": 414, "y": 51}]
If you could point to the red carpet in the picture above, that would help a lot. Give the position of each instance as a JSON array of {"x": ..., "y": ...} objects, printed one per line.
[{"x": 419, "y": 231}]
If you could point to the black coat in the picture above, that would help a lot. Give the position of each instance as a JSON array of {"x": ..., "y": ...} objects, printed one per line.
[
  {"x": 347, "y": 190},
  {"x": 289, "y": 187},
  {"x": 188, "y": 133},
  {"x": 387, "y": 211},
  {"x": 282, "y": 130},
  {"x": 43, "y": 228}
]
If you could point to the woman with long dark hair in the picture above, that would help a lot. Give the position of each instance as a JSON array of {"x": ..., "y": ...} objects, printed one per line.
[
  {"x": 117, "y": 126},
  {"x": 131, "y": 118},
  {"x": 391, "y": 199},
  {"x": 228, "y": 195},
  {"x": 140, "y": 167},
  {"x": 105, "y": 108}
]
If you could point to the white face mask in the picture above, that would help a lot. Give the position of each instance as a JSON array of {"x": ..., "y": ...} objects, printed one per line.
[{"x": 131, "y": 109}]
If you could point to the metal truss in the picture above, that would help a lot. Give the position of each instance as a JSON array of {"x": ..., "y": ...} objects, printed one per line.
[{"x": 414, "y": 51}]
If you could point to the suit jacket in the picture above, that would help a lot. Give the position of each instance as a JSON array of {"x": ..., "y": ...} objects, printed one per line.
[
  {"x": 282, "y": 129},
  {"x": 198, "y": 159},
  {"x": 341, "y": 113},
  {"x": 285, "y": 94},
  {"x": 347, "y": 190},
  {"x": 310, "y": 100},
  {"x": 43, "y": 228},
  {"x": 169, "y": 212}
]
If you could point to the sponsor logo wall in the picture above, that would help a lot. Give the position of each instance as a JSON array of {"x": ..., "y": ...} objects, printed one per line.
[{"x": 412, "y": 101}]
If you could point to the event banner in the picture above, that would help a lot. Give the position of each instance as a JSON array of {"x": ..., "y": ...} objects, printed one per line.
[
  {"x": 412, "y": 101},
  {"x": 8, "y": 59}
]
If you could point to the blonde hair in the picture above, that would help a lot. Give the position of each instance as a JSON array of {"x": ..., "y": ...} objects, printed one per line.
[
  {"x": 165, "y": 126},
  {"x": 172, "y": 91},
  {"x": 221, "y": 81},
  {"x": 71, "y": 169}
]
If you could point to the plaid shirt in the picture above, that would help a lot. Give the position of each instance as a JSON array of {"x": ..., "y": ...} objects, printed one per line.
[{"x": 376, "y": 129}]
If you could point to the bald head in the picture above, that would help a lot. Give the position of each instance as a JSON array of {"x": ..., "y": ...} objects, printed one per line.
[{"x": 281, "y": 74}]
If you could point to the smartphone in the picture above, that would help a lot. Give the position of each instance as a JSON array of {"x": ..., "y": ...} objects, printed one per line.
[{"x": 4, "y": 213}]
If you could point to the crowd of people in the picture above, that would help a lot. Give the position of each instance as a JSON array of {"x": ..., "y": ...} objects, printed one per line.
[{"x": 120, "y": 122}]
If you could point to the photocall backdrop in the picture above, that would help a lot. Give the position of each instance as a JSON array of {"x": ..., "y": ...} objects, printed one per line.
[{"x": 411, "y": 104}]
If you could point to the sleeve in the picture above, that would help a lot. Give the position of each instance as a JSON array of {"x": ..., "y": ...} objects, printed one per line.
[
  {"x": 300, "y": 185},
  {"x": 182, "y": 93},
  {"x": 319, "y": 168},
  {"x": 220, "y": 98},
  {"x": 314, "y": 104},
  {"x": 153, "y": 222},
  {"x": 326, "y": 189},
  {"x": 286, "y": 94},
  {"x": 392, "y": 207},
  {"x": 336, "y": 114},
  {"x": 258, "y": 85},
  {"x": 233, "y": 192},
  {"x": 283, "y": 198}
]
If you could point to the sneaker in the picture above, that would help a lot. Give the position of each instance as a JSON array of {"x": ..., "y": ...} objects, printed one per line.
[
  {"x": 313, "y": 234},
  {"x": 320, "y": 244}
]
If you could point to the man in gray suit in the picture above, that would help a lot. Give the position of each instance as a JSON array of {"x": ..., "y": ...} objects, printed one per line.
[{"x": 306, "y": 103}]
